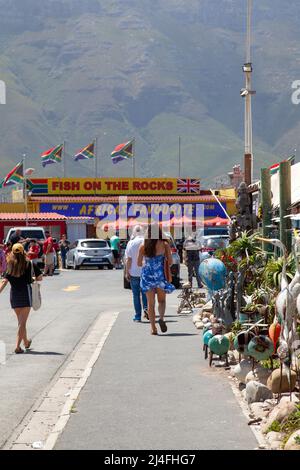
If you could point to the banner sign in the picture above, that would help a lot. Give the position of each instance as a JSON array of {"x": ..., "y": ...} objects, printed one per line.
[
  {"x": 211, "y": 209},
  {"x": 113, "y": 186}
]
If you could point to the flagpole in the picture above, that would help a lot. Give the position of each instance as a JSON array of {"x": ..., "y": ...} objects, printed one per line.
[
  {"x": 64, "y": 158},
  {"x": 179, "y": 157},
  {"x": 25, "y": 188},
  {"x": 133, "y": 158},
  {"x": 96, "y": 158}
]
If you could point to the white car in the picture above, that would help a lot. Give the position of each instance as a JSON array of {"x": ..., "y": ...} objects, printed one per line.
[
  {"x": 34, "y": 233},
  {"x": 89, "y": 252}
]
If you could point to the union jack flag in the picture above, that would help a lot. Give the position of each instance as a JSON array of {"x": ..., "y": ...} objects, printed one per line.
[{"x": 188, "y": 186}]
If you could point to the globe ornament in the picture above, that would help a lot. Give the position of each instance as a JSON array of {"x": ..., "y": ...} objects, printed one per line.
[
  {"x": 213, "y": 274},
  {"x": 207, "y": 336},
  {"x": 242, "y": 340},
  {"x": 261, "y": 348},
  {"x": 204, "y": 256},
  {"x": 219, "y": 345}
]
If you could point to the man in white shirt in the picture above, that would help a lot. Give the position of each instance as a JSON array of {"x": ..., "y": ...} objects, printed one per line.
[
  {"x": 192, "y": 249},
  {"x": 133, "y": 273}
]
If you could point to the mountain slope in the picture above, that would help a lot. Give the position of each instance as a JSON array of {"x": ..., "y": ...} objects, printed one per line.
[{"x": 153, "y": 70}]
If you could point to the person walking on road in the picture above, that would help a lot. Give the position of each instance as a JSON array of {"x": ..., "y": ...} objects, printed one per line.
[
  {"x": 48, "y": 250},
  {"x": 64, "y": 246},
  {"x": 115, "y": 246},
  {"x": 155, "y": 277},
  {"x": 133, "y": 273},
  {"x": 192, "y": 249},
  {"x": 19, "y": 275}
]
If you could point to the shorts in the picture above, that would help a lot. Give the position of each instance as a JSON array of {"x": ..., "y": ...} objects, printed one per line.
[
  {"x": 49, "y": 259},
  {"x": 115, "y": 254}
]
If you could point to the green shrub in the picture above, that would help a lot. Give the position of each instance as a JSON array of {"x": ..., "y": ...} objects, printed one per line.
[{"x": 275, "y": 426}]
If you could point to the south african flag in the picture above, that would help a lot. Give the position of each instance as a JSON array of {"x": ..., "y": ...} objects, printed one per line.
[
  {"x": 122, "y": 152},
  {"x": 86, "y": 153},
  {"x": 15, "y": 176},
  {"x": 275, "y": 168},
  {"x": 53, "y": 155}
]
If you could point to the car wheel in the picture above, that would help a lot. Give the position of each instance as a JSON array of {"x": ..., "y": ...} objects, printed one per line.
[
  {"x": 75, "y": 266},
  {"x": 110, "y": 266},
  {"x": 100, "y": 267}
]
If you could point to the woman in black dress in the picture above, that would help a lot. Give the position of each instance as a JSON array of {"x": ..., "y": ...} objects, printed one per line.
[{"x": 18, "y": 274}]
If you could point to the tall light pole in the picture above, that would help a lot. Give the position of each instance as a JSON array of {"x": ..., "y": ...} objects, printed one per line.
[{"x": 247, "y": 93}]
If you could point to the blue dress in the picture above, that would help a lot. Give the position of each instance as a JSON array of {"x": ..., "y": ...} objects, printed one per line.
[{"x": 153, "y": 275}]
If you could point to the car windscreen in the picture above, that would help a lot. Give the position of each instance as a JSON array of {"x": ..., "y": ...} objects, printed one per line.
[
  {"x": 215, "y": 243},
  {"x": 215, "y": 231},
  {"x": 35, "y": 234},
  {"x": 94, "y": 244}
]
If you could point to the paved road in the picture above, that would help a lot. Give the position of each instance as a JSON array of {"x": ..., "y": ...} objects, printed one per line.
[
  {"x": 56, "y": 329},
  {"x": 150, "y": 392},
  {"x": 145, "y": 392}
]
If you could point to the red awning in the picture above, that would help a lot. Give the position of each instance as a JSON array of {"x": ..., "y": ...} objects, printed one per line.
[{"x": 216, "y": 221}]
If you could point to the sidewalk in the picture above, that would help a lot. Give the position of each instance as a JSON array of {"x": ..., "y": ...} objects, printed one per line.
[{"x": 150, "y": 392}]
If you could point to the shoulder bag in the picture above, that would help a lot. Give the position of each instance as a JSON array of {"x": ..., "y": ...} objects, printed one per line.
[{"x": 36, "y": 291}]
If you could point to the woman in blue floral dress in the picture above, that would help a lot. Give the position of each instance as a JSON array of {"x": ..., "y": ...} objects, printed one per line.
[{"x": 154, "y": 251}]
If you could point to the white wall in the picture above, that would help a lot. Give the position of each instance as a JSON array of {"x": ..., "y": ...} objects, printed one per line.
[
  {"x": 295, "y": 183},
  {"x": 76, "y": 231}
]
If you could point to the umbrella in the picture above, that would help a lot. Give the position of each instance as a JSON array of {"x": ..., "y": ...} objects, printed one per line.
[
  {"x": 217, "y": 221},
  {"x": 178, "y": 221}
]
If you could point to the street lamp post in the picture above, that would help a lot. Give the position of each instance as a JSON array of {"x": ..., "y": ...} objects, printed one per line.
[{"x": 247, "y": 93}]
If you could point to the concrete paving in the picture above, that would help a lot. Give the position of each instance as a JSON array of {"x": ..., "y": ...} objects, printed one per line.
[
  {"x": 72, "y": 301},
  {"x": 156, "y": 392}
]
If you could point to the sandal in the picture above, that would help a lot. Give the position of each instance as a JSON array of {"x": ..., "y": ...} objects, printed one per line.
[
  {"x": 19, "y": 351},
  {"x": 163, "y": 325},
  {"x": 146, "y": 316},
  {"x": 29, "y": 344},
  {"x": 154, "y": 332}
]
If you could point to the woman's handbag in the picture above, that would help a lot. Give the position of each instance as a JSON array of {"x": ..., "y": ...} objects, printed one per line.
[
  {"x": 167, "y": 269},
  {"x": 36, "y": 291}
]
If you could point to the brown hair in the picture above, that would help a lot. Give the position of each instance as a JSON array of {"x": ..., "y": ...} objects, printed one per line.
[
  {"x": 16, "y": 264},
  {"x": 150, "y": 243}
]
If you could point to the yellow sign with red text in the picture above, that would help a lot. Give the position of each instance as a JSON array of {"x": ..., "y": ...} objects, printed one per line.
[{"x": 122, "y": 186}]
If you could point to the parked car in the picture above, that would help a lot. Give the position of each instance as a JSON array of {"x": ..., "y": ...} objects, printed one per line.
[
  {"x": 211, "y": 243},
  {"x": 36, "y": 233},
  {"x": 89, "y": 252}
]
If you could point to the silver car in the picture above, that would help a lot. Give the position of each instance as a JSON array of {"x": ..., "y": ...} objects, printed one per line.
[{"x": 89, "y": 252}]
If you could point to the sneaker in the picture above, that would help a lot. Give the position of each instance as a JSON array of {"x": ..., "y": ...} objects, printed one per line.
[{"x": 137, "y": 319}]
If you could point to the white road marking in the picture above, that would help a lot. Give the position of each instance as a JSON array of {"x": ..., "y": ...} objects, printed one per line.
[
  {"x": 71, "y": 288},
  {"x": 52, "y": 413}
]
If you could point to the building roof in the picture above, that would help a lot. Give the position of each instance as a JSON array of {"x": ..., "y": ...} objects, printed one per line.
[
  {"x": 99, "y": 199},
  {"x": 32, "y": 216}
]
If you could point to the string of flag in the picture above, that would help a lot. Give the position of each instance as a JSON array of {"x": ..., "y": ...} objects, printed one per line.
[{"x": 124, "y": 151}]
